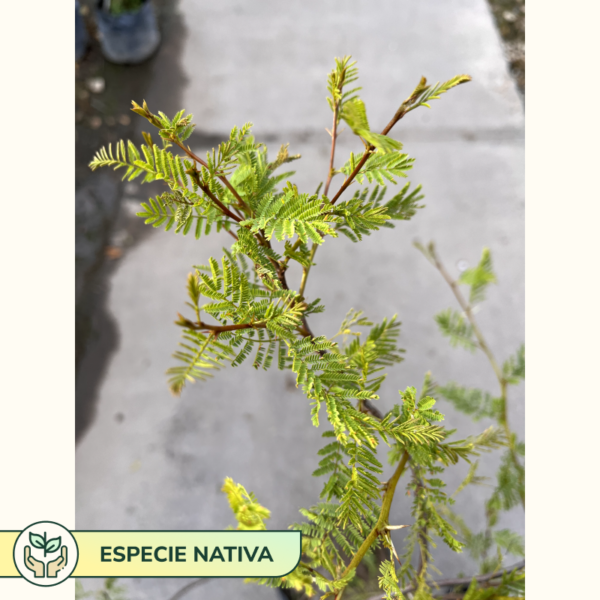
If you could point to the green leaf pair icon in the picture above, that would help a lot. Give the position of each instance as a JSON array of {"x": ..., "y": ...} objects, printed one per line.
[{"x": 48, "y": 546}]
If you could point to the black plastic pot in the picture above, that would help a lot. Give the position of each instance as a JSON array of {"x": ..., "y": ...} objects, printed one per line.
[
  {"x": 81, "y": 36},
  {"x": 128, "y": 38}
]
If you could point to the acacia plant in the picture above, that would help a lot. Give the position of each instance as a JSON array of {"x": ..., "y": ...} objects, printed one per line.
[{"x": 244, "y": 305}]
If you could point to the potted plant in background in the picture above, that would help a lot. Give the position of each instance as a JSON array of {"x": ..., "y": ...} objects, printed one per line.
[
  {"x": 128, "y": 30},
  {"x": 81, "y": 36}
]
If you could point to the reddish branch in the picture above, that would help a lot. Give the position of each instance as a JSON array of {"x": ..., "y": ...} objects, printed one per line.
[
  {"x": 369, "y": 151},
  {"x": 200, "y": 326},
  {"x": 334, "y": 135},
  {"x": 205, "y": 165},
  {"x": 195, "y": 175}
]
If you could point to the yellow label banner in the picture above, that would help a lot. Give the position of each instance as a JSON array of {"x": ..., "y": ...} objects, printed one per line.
[{"x": 174, "y": 553}]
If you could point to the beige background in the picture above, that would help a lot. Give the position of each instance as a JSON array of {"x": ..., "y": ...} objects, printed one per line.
[{"x": 37, "y": 305}]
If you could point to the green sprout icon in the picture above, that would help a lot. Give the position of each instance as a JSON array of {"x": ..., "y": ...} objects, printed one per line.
[{"x": 48, "y": 546}]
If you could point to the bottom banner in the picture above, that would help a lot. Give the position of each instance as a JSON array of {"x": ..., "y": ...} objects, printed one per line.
[{"x": 47, "y": 553}]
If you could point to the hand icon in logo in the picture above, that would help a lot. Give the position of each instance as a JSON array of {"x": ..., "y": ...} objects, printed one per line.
[
  {"x": 53, "y": 567},
  {"x": 56, "y": 565},
  {"x": 37, "y": 566}
]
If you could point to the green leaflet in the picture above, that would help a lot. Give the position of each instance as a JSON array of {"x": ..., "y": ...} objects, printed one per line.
[
  {"x": 479, "y": 277},
  {"x": 455, "y": 326},
  {"x": 284, "y": 216},
  {"x": 424, "y": 93},
  {"x": 388, "y": 581},
  {"x": 489, "y": 547},
  {"x": 354, "y": 113},
  {"x": 249, "y": 514},
  {"x": 471, "y": 401},
  {"x": 200, "y": 355},
  {"x": 381, "y": 167},
  {"x": 514, "y": 367},
  {"x": 366, "y": 211}
]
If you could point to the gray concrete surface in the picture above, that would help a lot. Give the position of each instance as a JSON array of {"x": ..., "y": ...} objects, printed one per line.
[{"x": 148, "y": 460}]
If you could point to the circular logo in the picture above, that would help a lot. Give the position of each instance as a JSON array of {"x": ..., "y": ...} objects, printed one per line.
[{"x": 45, "y": 553}]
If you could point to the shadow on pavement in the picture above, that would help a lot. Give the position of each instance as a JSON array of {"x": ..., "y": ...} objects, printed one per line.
[{"x": 103, "y": 233}]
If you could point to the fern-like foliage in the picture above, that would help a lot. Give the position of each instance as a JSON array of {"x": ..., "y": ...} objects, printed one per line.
[
  {"x": 366, "y": 212},
  {"x": 244, "y": 305},
  {"x": 200, "y": 354},
  {"x": 248, "y": 317},
  {"x": 185, "y": 214},
  {"x": 509, "y": 484},
  {"x": 154, "y": 162},
  {"x": 455, "y": 326},
  {"x": 513, "y": 369},
  {"x": 111, "y": 590},
  {"x": 254, "y": 176},
  {"x": 344, "y": 73},
  {"x": 388, "y": 581},
  {"x": 489, "y": 547},
  {"x": 379, "y": 350},
  {"x": 479, "y": 277},
  {"x": 424, "y": 93},
  {"x": 511, "y": 585},
  {"x": 381, "y": 167},
  {"x": 289, "y": 214},
  {"x": 249, "y": 514},
  {"x": 354, "y": 113},
  {"x": 472, "y": 401},
  {"x": 404, "y": 205},
  {"x": 427, "y": 491}
]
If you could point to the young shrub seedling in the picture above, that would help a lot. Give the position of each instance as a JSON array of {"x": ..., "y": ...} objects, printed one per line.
[{"x": 244, "y": 306}]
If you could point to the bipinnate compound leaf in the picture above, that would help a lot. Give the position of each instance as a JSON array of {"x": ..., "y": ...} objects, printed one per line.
[{"x": 246, "y": 305}]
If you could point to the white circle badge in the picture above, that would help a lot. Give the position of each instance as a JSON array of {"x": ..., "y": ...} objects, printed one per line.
[{"x": 45, "y": 553}]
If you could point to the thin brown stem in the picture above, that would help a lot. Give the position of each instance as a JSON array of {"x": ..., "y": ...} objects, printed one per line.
[
  {"x": 305, "y": 330},
  {"x": 306, "y": 270},
  {"x": 200, "y": 326},
  {"x": 333, "y": 142},
  {"x": 224, "y": 179},
  {"x": 399, "y": 114},
  {"x": 371, "y": 408},
  {"x": 235, "y": 237},
  {"x": 279, "y": 268},
  {"x": 482, "y": 344},
  {"x": 195, "y": 175},
  {"x": 352, "y": 175},
  {"x": 469, "y": 313},
  {"x": 368, "y": 152},
  {"x": 422, "y": 536}
]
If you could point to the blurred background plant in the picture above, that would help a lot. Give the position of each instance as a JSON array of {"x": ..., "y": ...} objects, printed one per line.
[{"x": 110, "y": 591}]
